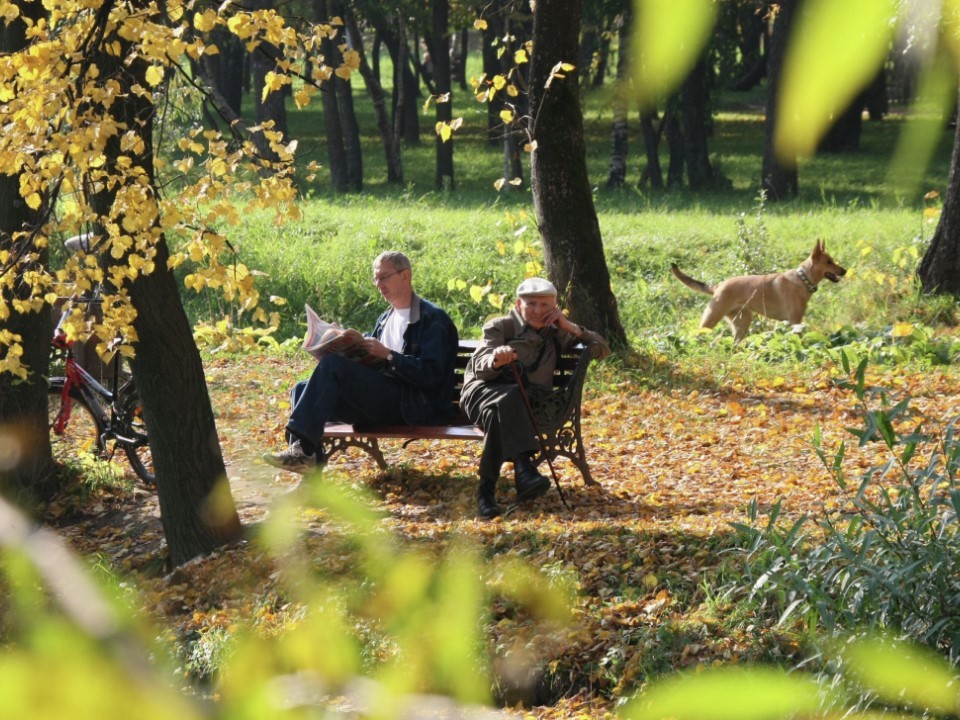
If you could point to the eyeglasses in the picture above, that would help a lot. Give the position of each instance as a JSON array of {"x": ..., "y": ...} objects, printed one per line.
[{"x": 377, "y": 279}]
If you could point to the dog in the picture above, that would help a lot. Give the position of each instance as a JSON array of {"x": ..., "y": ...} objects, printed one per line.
[{"x": 780, "y": 296}]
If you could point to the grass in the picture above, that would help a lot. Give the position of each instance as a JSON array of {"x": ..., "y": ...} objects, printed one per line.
[{"x": 848, "y": 200}]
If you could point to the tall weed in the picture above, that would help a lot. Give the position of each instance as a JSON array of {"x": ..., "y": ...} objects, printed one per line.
[{"x": 889, "y": 559}]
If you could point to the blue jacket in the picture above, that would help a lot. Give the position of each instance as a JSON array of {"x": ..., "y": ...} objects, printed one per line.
[{"x": 426, "y": 365}]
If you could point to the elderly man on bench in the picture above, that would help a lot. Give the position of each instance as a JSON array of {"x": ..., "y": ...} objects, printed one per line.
[{"x": 520, "y": 347}]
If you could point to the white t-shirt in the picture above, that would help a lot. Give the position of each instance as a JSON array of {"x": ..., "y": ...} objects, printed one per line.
[{"x": 394, "y": 329}]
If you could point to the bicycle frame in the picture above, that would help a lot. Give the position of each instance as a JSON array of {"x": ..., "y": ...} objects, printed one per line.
[{"x": 98, "y": 397}]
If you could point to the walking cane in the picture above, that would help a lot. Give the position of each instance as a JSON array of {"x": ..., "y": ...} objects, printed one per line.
[{"x": 536, "y": 429}]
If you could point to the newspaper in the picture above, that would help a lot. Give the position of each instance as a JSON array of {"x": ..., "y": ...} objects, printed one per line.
[{"x": 324, "y": 338}]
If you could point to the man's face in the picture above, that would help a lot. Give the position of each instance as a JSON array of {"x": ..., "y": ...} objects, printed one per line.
[
  {"x": 390, "y": 282},
  {"x": 533, "y": 309}
]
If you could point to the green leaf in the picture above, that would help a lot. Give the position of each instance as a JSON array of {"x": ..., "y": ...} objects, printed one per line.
[
  {"x": 904, "y": 675},
  {"x": 841, "y": 45},
  {"x": 669, "y": 36},
  {"x": 727, "y": 694}
]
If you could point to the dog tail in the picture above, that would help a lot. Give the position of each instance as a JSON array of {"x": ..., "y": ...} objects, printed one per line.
[{"x": 700, "y": 287}]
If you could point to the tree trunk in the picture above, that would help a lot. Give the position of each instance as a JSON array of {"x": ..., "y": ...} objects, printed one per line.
[
  {"x": 939, "y": 269},
  {"x": 333, "y": 130},
  {"x": 617, "y": 175},
  {"x": 461, "y": 48},
  {"x": 440, "y": 17},
  {"x": 844, "y": 134},
  {"x": 652, "y": 173},
  {"x": 390, "y": 141},
  {"x": 196, "y": 508},
  {"x": 573, "y": 247},
  {"x": 272, "y": 108},
  {"x": 778, "y": 176},
  {"x": 23, "y": 405},
  {"x": 495, "y": 15},
  {"x": 696, "y": 125},
  {"x": 406, "y": 118},
  {"x": 675, "y": 141},
  {"x": 516, "y": 27}
]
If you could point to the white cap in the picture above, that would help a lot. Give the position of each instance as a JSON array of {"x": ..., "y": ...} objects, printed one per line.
[{"x": 536, "y": 286}]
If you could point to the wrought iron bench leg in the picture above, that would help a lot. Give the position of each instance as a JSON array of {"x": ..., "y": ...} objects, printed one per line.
[{"x": 369, "y": 445}]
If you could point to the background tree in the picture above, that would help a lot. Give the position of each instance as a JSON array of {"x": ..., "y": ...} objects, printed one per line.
[
  {"x": 440, "y": 35},
  {"x": 573, "y": 246},
  {"x": 23, "y": 397},
  {"x": 778, "y": 172},
  {"x": 388, "y": 137},
  {"x": 939, "y": 269}
]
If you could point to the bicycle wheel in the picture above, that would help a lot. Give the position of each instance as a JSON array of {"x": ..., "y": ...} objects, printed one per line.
[
  {"x": 130, "y": 424},
  {"x": 81, "y": 435}
]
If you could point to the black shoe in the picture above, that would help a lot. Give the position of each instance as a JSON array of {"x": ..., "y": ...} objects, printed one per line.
[
  {"x": 487, "y": 507},
  {"x": 530, "y": 483}
]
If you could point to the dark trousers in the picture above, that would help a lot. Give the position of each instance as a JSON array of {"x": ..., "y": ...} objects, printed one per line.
[
  {"x": 342, "y": 390},
  {"x": 499, "y": 409}
]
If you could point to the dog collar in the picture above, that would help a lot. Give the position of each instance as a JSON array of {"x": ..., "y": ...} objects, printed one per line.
[{"x": 811, "y": 288}]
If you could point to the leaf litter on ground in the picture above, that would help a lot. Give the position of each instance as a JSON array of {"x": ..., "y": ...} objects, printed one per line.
[{"x": 676, "y": 465}]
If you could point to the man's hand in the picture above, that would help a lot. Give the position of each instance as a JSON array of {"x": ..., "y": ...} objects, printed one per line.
[
  {"x": 503, "y": 355},
  {"x": 556, "y": 317},
  {"x": 376, "y": 348}
]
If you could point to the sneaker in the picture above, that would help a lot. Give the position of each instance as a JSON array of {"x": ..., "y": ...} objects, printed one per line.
[{"x": 293, "y": 459}]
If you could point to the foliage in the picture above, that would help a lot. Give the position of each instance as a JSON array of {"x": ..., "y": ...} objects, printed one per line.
[
  {"x": 906, "y": 679},
  {"x": 66, "y": 145},
  {"x": 886, "y": 557},
  {"x": 421, "y": 611}
]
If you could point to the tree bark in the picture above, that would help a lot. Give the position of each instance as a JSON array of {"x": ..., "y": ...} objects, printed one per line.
[
  {"x": 652, "y": 173},
  {"x": 440, "y": 20},
  {"x": 495, "y": 15},
  {"x": 778, "y": 176},
  {"x": 333, "y": 129},
  {"x": 196, "y": 508},
  {"x": 23, "y": 405},
  {"x": 617, "y": 175},
  {"x": 352, "y": 150},
  {"x": 273, "y": 107},
  {"x": 573, "y": 246},
  {"x": 696, "y": 125},
  {"x": 389, "y": 140},
  {"x": 939, "y": 269}
]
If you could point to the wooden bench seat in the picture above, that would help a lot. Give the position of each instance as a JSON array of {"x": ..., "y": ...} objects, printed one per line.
[{"x": 561, "y": 434}]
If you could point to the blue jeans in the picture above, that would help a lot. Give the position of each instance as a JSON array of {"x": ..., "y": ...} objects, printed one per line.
[{"x": 343, "y": 390}]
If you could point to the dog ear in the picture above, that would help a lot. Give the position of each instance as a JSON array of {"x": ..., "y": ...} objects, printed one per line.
[{"x": 819, "y": 247}]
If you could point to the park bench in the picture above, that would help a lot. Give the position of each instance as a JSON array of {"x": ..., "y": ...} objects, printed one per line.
[{"x": 560, "y": 426}]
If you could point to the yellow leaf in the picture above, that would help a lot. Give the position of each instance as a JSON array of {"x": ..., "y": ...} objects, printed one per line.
[
  {"x": 506, "y": 116},
  {"x": 499, "y": 183},
  {"x": 480, "y": 24},
  {"x": 34, "y": 200},
  {"x": 154, "y": 75},
  {"x": 902, "y": 329},
  {"x": 495, "y": 300},
  {"x": 520, "y": 57},
  {"x": 477, "y": 293}
]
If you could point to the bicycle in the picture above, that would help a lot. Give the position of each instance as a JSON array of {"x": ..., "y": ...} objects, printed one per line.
[{"x": 109, "y": 418}]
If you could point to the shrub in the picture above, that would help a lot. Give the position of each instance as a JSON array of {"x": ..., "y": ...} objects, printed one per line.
[{"x": 890, "y": 558}]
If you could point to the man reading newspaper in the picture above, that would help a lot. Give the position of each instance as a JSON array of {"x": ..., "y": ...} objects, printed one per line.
[{"x": 415, "y": 343}]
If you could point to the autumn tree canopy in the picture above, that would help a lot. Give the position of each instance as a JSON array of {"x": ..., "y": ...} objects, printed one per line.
[{"x": 56, "y": 132}]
